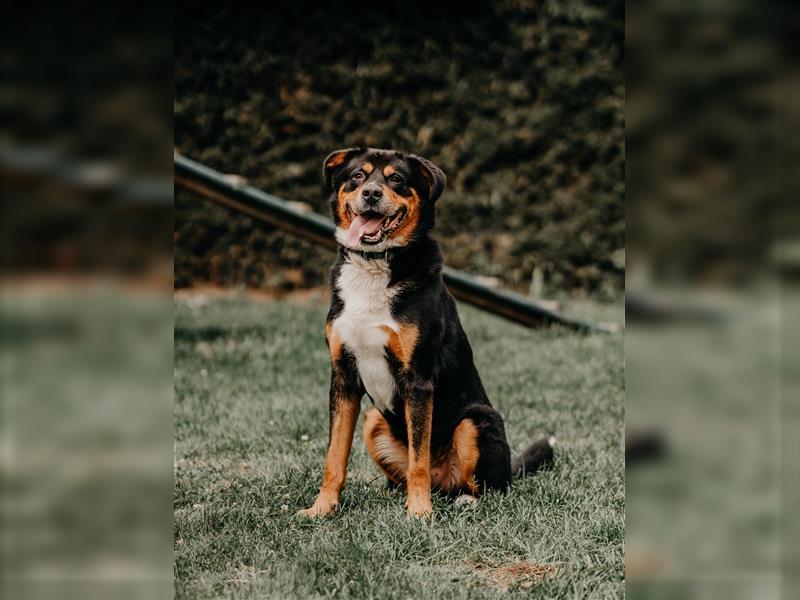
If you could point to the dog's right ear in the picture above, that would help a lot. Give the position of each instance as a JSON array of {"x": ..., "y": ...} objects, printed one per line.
[
  {"x": 336, "y": 161},
  {"x": 433, "y": 175}
]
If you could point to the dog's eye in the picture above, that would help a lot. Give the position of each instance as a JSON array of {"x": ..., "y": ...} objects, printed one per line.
[
  {"x": 395, "y": 178},
  {"x": 357, "y": 176}
]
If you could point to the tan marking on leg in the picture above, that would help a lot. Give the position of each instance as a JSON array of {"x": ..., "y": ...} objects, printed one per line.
[
  {"x": 343, "y": 425},
  {"x": 334, "y": 342},
  {"x": 465, "y": 446},
  {"x": 389, "y": 453},
  {"x": 418, "y": 476},
  {"x": 456, "y": 470},
  {"x": 401, "y": 344}
]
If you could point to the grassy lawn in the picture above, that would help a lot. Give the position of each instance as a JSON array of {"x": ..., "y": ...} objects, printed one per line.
[
  {"x": 705, "y": 520},
  {"x": 251, "y": 381}
]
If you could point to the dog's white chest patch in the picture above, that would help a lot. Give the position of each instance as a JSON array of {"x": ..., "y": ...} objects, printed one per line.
[{"x": 363, "y": 288}]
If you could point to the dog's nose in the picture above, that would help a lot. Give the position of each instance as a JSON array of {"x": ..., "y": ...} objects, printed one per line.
[{"x": 372, "y": 193}]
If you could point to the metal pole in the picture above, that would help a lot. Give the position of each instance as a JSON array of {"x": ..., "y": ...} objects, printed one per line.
[{"x": 251, "y": 201}]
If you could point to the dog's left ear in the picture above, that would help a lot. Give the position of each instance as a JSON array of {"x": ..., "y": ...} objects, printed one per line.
[
  {"x": 432, "y": 174},
  {"x": 336, "y": 161}
]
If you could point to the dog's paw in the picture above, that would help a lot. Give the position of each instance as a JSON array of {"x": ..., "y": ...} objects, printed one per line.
[
  {"x": 466, "y": 500},
  {"x": 419, "y": 507},
  {"x": 320, "y": 508}
]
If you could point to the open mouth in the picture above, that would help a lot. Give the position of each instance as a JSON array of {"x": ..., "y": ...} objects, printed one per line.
[{"x": 371, "y": 227}]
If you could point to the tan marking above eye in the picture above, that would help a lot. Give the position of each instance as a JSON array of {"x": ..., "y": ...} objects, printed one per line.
[
  {"x": 389, "y": 170},
  {"x": 367, "y": 168}
]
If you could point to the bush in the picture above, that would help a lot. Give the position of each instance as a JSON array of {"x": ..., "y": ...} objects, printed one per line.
[{"x": 520, "y": 103}]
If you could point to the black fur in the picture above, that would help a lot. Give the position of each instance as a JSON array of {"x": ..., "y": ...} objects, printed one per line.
[
  {"x": 345, "y": 384},
  {"x": 442, "y": 366}
]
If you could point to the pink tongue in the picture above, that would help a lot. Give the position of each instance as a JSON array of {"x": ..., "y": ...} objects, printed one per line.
[{"x": 362, "y": 226}]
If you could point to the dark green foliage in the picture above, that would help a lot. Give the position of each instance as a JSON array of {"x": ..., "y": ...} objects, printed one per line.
[
  {"x": 520, "y": 103},
  {"x": 709, "y": 182}
]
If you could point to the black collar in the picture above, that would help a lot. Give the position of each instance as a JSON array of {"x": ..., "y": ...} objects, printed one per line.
[{"x": 385, "y": 255}]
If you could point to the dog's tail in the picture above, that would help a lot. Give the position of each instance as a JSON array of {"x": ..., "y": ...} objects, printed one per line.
[{"x": 539, "y": 455}]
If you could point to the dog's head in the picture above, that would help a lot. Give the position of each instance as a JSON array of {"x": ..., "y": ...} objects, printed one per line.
[{"x": 381, "y": 199}]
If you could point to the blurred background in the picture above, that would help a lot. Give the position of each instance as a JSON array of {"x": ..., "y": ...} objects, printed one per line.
[
  {"x": 711, "y": 300},
  {"x": 521, "y": 103},
  {"x": 524, "y": 106},
  {"x": 86, "y": 315}
]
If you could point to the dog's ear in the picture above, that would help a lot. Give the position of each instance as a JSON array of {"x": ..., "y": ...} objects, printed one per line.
[
  {"x": 336, "y": 161},
  {"x": 432, "y": 175}
]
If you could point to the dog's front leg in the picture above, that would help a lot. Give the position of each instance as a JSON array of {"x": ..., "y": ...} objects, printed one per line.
[
  {"x": 345, "y": 403},
  {"x": 419, "y": 417}
]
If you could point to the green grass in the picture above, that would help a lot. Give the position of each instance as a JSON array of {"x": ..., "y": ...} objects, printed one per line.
[
  {"x": 251, "y": 422},
  {"x": 705, "y": 521}
]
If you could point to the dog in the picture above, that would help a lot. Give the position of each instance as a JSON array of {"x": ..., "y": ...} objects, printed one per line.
[{"x": 393, "y": 333}]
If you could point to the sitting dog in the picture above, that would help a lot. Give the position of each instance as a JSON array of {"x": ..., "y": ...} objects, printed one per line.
[{"x": 393, "y": 332}]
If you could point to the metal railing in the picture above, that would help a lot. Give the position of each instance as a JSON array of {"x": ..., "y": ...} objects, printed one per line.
[{"x": 233, "y": 194}]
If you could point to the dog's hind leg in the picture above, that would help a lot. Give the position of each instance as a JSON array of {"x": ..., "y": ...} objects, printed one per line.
[
  {"x": 389, "y": 453},
  {"x": 454, "y": 472},
  {"x": 493, "y": 468}
]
